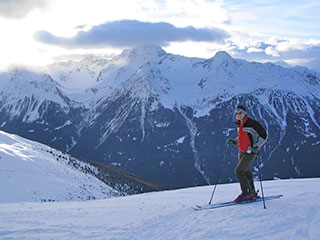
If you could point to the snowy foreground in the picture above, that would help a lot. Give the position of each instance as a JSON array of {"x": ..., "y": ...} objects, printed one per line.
[{"x": 168, "y": 215}]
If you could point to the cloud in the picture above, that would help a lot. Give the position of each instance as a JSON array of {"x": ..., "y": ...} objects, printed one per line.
[
  {"x": 300, "y": 51},
  {"x": 17, "y": 9},
  {"x": 127, "y": 33}
]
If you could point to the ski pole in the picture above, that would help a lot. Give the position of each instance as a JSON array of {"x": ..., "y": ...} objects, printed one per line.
[
  {"x": 260, "y": 179},
  {"x": 221, "y": 168}
]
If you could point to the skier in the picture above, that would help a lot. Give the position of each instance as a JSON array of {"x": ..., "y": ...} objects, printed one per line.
[{"x": 251, "y": 136}]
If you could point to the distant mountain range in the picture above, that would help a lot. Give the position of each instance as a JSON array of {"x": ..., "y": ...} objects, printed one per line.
[{"x": 166, "y": 117}]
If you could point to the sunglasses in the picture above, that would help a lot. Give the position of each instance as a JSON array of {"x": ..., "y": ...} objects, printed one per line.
[{"x": 238, "y": 113}]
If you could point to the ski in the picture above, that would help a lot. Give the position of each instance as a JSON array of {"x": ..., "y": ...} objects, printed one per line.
[{"x": 232, "y": 203}]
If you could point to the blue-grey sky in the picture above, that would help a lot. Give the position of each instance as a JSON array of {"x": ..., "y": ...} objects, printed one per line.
[{"x": 38, "y": 32}]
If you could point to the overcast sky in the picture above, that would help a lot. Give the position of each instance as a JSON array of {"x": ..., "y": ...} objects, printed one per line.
[{"x": 38, "y": 32}]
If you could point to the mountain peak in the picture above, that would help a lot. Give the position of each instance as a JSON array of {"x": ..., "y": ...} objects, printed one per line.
[
  {"x": 147, "y": 51},
  {"x": 218, "y": 59},
  {"x": 222, "y": 55}
]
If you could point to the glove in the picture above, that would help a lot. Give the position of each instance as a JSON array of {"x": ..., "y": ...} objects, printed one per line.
[
  {"x": 255, "y": 149},
  {"x": 231, "y": 142}
]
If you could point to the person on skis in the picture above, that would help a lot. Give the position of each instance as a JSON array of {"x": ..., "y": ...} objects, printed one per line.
[{"x": 251, "y": 137}]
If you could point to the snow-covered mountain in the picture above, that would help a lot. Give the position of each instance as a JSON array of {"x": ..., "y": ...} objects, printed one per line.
[
  {"x": 168, "y": 215},
  {"x": 314, "y": 64},
  {"x": 283, "y": 64},
  {"x": 33, "y": 172},
  {"x": 166, "y": 117}
]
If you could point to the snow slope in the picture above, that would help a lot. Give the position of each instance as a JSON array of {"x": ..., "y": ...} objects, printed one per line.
[
  {"x": 31, "y": 171},
  {"x": 168, "y": 215}
]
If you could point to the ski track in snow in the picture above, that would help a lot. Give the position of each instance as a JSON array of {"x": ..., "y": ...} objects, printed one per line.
[{"x": 168, "y": 215}]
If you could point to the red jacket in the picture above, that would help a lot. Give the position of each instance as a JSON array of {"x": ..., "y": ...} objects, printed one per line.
[
  {"x": 250, "y": 134},
  {"x": 243, "y": 138}
]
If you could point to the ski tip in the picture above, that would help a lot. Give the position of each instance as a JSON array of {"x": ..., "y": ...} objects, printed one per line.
[{"x": 197, "y": 208}]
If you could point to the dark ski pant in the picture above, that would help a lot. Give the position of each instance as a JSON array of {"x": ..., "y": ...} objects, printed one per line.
[{"x": 243, "y": 172}]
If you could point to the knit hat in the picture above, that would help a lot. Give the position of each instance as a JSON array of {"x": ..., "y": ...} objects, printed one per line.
[{"x": 241, "y": 108}]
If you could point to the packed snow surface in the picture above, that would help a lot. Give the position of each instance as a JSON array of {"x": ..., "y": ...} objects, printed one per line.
[{"x": 168, "y": 215}]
